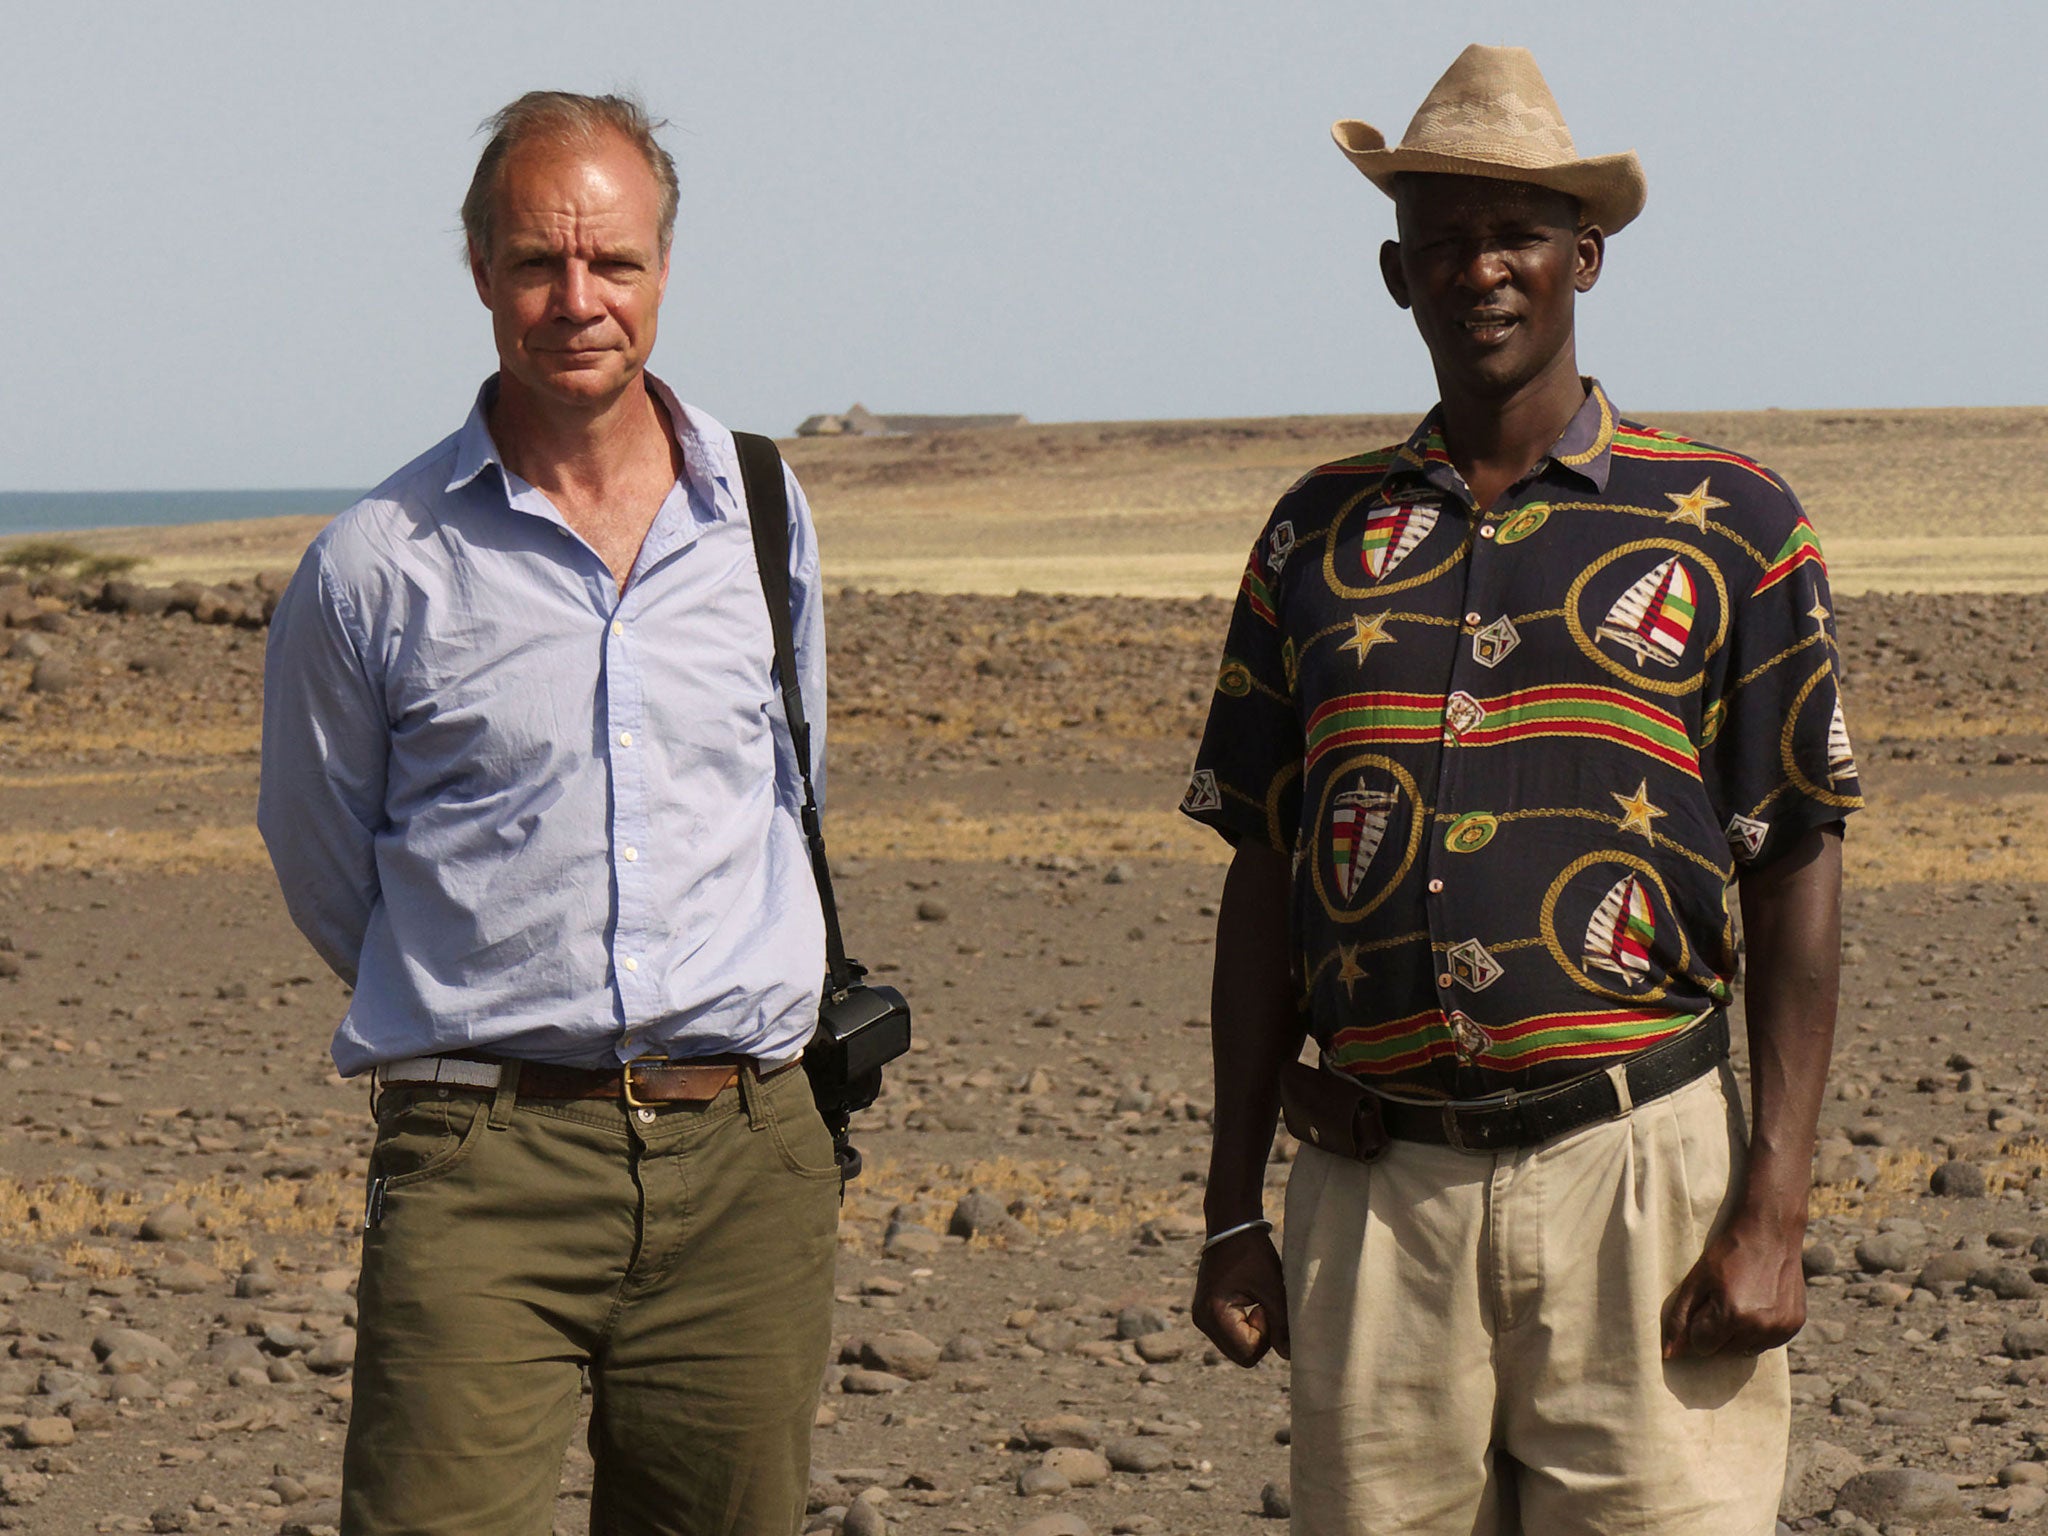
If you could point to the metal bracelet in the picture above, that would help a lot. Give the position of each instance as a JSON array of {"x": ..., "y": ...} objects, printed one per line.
[{"x": 1257, "y": 1223}]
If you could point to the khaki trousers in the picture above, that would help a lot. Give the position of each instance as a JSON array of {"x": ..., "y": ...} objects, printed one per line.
[
  {"x": 1477, "y": 1338},
  {"x": 681, "y": 1254}
]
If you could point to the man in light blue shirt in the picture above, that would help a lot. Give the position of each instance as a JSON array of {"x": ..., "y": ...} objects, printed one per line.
[{"x": 528, "y": 788}]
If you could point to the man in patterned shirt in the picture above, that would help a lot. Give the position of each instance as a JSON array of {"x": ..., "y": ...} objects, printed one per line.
[{"x": 1504, "y": 711}]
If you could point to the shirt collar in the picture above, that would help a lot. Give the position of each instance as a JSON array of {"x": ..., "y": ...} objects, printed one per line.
[
  {"x": 1585, "y": 448},
  {"x": 710, "y": 462}
]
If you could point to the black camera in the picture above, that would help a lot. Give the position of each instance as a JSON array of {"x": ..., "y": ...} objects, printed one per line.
[{"x": 861, "y": 1029}]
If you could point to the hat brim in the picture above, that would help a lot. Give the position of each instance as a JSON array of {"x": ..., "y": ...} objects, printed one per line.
[{"x": 1610, "y": 189}]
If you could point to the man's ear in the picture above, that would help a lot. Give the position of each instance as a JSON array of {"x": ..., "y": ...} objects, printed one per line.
[
  {"x": 480, "y": 274},
  {"x": 1391, "y": 273},
  {"x": 1591, "y": 253}
]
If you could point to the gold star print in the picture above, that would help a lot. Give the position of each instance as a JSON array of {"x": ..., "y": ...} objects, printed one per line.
[
  {"x": 1693, "y": 506},
  {"x": 1349, "y": 971},
  {"x": 1636, "y": 811},
  {"x": 1819, "y": 613},
  {"x": 1365, "y": 634}
]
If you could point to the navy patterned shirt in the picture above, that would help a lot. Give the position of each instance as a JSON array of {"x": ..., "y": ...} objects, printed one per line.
[{"x": 1517, "y": 756}]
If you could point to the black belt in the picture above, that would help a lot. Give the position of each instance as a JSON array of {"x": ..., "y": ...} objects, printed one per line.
[
  {"x": 1525, "y": 1119},
  {"x": 1340, "y": 1115}
]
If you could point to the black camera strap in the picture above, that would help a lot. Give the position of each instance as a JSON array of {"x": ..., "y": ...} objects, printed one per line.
[{"x": 768, "y": 514}]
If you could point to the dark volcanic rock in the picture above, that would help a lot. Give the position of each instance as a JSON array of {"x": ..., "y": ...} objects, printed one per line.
[{"x": 1959, "y": 1180}]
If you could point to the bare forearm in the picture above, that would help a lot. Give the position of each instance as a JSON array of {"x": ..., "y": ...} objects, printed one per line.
[
  {"x": 1254, "y": 1030},
  {"x": 1792, "y": 916}
]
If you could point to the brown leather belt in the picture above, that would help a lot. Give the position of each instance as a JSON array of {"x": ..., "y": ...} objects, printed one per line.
[{"x": 698, "y": 1080}]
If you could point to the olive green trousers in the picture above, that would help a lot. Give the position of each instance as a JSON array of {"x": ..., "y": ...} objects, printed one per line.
[{"x": 680, "y": 1254}]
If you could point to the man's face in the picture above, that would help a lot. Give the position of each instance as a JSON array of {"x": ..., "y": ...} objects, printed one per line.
[
  {"x": 576, "y": 271},
  {"x": 1490, "y": 270}
]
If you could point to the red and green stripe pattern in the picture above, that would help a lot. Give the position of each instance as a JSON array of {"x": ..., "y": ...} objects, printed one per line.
[
  {"x": 1670, "y": 448},
  {"x": 1580, "y": 710},
  {"x": 1801, "y": 547},
  {"x": 1256, "y": 590},
  {"x": 1374, "y": 719},
  {"x": 1585, "y": 710},
  {"x": 1402, "y": 1045}
]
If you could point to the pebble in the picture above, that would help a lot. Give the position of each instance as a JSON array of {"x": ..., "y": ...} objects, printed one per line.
[
  {"x": 975, "y": 1214},
  {"x": 53, "y": 674},
  {"x": 1276, "y": 1501},
  {"x": 1061, "y": 1524},
  {"x": 2025, "y": 1340},
  {"x": 964, "y": 1347},
  {"x": 1959, "y": 1180},
  {"x": 1135, "y": 1322},
  {"x": 167, "y": 1224},
  {"x": 333, "y": 1354},
  {"x": 871, "y": 1383},
  {"x": 1814, "y": 1473},
  {"x": 1886, "y": 1253},
  {"x": 901, "y": 1353},
  {"x": 44, "y": 1433},
  {"x": 1080, "y": 1468},
  {"x": 1041, "y": 1483},
  {"x": 1894, "y": 1494},
  {"x": 1165, "y": 1347},
  {"x": 125, "y": 1350},
  {"x": 1062, "y": 1429},
  {"x": 1138, "y": 1454},
  {"x": 864, "y": 1519}
]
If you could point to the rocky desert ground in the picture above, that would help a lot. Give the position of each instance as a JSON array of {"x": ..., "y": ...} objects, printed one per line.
[{"x": 180, "y": 1169}]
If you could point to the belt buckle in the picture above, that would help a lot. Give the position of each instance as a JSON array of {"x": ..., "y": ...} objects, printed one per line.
[
  {"x": 1455, "y": 1138},
  {"x": 626, "y": 1079}
]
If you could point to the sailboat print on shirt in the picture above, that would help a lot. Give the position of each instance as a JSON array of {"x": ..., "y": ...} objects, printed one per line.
[
  {"x": 1358, "y": 823},
  {"x": 1618, "y": 938},
  {"x": 1841, "y": 759},
  {"x": 1391, "y": 533},
  {"x": 1653, "y": 618}
]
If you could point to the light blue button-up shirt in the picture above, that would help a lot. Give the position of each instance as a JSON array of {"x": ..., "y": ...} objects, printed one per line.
[{"x": 525, "y": 812}]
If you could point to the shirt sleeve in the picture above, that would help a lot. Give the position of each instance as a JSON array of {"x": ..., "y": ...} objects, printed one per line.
[
  {"x": 1247, "y": 776},
  {"x": 1776, "y": 755},
  {"x": 326, "y": 741},
  {"x": 807, "y": 628}
]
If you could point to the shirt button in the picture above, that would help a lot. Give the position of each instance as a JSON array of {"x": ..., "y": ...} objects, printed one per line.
[
  {"x": 1486, "y": 532},
  {"x": 1471, "y": 621},
  {"x": 618, "y": 627},
  {"x": 632, "y": 964},
  {"x": 1435, "y": 886},
  {"x": 644, "y": 1116},
  {"x": 632, "y": 854},
  {"x": 625, "y": 738},
  {"x": 1444, "y": 980}
]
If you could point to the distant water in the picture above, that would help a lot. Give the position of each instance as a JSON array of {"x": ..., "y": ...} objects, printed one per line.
[{"x": 76, "y": 511}]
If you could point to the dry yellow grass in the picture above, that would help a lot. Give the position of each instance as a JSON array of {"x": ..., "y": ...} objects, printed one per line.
[
  {"x": 1078, "y": 1203},
  {"x": 1926, "y": 839},
  {"x": 229, "y": 1211},
  {"x": 1936, "y": 500},
  {"x": 1902, "y": 1174}
]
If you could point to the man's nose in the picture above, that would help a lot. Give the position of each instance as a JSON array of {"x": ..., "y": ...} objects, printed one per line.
[
  {"x": 1485, "y": 269},
  {"x": 576, "y": 293}
]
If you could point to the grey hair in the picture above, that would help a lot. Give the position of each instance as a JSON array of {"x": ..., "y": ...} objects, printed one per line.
[{"x": 563, "y": 118}]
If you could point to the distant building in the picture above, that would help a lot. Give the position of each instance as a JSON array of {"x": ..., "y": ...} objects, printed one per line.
[{"x": 858, "y": 421}]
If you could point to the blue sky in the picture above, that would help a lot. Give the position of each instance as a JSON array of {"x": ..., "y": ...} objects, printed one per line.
[{"x": 230, "y": 255}]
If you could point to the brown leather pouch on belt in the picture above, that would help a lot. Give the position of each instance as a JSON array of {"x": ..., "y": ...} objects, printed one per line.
[{"x": 1330, "y": 1114}]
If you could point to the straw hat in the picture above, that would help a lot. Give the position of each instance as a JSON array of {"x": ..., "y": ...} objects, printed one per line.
[{"x": 1492, "y": 115}]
